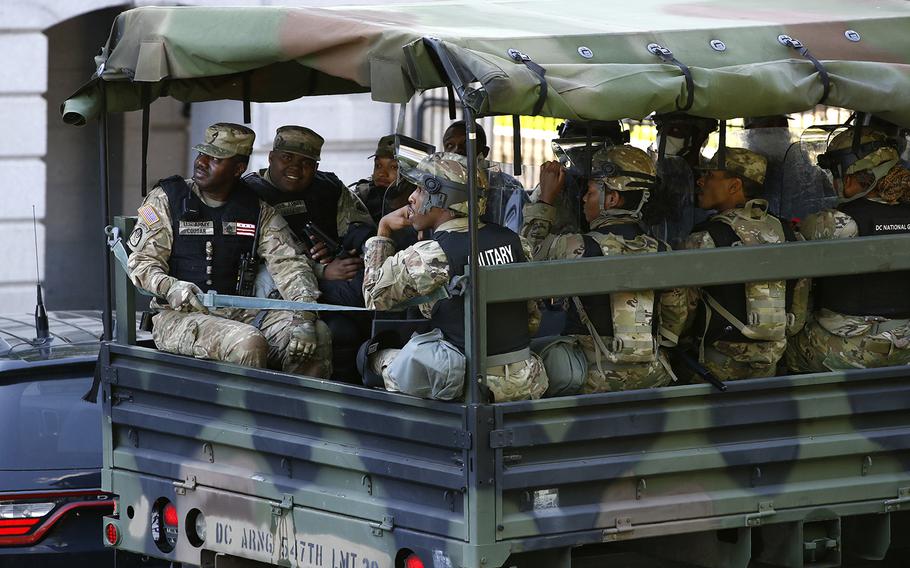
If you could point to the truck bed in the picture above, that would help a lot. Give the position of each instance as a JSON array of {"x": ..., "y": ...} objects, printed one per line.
[{"x": 284, "y": 459}]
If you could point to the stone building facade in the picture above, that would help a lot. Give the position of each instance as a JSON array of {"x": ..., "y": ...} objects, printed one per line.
[{"x": 46, "y": 50}]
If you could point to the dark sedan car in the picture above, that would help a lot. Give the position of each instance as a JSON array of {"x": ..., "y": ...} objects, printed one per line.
[{"x": 51, "y": 504}]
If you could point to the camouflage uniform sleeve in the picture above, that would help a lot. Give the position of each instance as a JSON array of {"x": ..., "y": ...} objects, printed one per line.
[
  {"x": 291, "y": 270},
  {"x": 391, "y": 278},
  {"x": 828, "y": 224},
  {"x": 538, "y": 219},
  {"x": 351, "y": 211},
  {"x": 151, "y": 243},
  {"x": 533, "y": 308}
]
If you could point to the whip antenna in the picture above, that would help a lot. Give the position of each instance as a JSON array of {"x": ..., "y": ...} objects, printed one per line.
[{"x": 42, "y": 328}]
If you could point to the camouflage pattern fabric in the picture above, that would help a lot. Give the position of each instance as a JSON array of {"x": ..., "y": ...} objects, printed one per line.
[
  {"x": 525, "y": 380},
  {"x": 742, "y": 162},
  {"x": 765, "y": 301},
  {"x": 152, "y": 239},
  {"x": 298, "y": 140},
  {"x": 671, "y": 310},
  {"x": 735, "y": 360},
  {"x": 828, "y": 224},
  {"x": 350, "y": 210},
  {"x": 227, "y": 335},
  {"x": 216, "y": 336},
  {"x": 730, "y": 361},
  {"x": 618, "y": 377},
  {"x": 392, "y": 277},
  {"x": 833, "y": 341},
  {"x": 225, "y": 139}
]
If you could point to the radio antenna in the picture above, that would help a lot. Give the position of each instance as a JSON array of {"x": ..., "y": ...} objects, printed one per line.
[{"x": 42, "y": 328}]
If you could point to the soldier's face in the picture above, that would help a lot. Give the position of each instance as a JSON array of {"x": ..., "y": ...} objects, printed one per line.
[
  {"x": 291, "y": 172},
  {"x": 385, "y": 172},
  {"x": 455, "y": 141},
  {"x": 591, "y": 201},
  {"x": 421, "y": 221},
  {"x": 850, "y": 186},
  {"x": 216, "y": 174},
  {"x": 714, "y": 189}
]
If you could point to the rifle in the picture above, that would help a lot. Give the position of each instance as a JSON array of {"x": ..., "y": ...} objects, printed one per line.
[
  {"x": 336, "y": 249},
  {"x": 246, "y": 270},
  {"x": 680, "y": 355}
]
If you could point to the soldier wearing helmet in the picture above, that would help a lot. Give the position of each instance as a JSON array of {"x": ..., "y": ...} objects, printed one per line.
[
  {"x": 859, "y": 321},
  {"x": 429, "y": 273},
  {"x": 577, "y": 142},
  {"x": 741, "y": 330},
  {"x": 610, "y": 342},
  {"x": 682, "y": 135}
]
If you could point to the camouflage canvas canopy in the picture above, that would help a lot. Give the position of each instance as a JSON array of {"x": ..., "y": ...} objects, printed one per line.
[{"x": 595, "y": 54}]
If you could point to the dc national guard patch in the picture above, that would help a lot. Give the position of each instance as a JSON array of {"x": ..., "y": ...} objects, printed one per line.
[{"x": 240, "y": 229}]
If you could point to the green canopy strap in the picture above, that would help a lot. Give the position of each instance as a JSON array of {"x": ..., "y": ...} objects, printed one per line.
[
  {"x": 804, "y": 51},
  {"x": 667, "y": 56},
  {"x": 521, "y": 57}
]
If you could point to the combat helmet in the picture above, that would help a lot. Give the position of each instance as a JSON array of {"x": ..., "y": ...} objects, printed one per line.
[
  {"x": 579, "y": 140},
  {"x": 848, "y": 154},
  {"x": 624, "y": 168},
  {"x": 444, "y": 176}
]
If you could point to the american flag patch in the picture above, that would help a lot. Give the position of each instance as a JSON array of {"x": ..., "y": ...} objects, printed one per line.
[
  {"x": 149, "y": 216},
  {"x": 246, "y": 229}
]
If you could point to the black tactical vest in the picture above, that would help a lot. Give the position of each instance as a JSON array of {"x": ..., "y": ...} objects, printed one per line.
[
  {"x": 507, "y": 323},
  {"x": 884, "y": 294},
  {"x": 317, "y": 203},
  {"x": 599, "y": 308},
  {"x": 731, "y": 296},
  {"x": 231, "y": 229}
]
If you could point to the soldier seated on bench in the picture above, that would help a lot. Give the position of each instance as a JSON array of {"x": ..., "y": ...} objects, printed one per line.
[
  {"x": 191, "y": 235},
  {"x": 432, "y": 364}
]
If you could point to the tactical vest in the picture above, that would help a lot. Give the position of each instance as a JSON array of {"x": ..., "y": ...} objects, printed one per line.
[
  {"x": 754, "y": 311},
  {"x": 209, "y": 241},
  {"x": 317, "y": 203},
  {"x": 884, "y": 294},
  {"x": 507, "y": 323},
  {"x": 627, "y": 318}
]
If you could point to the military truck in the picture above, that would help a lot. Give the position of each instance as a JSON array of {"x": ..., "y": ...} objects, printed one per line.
[{"x": 218, "y": 465}]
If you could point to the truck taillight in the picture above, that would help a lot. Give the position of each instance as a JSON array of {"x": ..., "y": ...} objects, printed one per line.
[
  {"x": 170, "y": 515},
  {"x": 413, "y": 561},
  {"x": 163, "y": 525},
  {"x": 112, "y": 534}
]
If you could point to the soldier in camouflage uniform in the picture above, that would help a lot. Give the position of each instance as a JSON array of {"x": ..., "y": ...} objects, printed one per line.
[
  {"x": 385, "y": 190},
  {"x": 505, "y": 196},
  {"x": 301, "y": 193},
  {"x": 859, "y": 321},
  {"x": 433, "y": 364},
  {"x": 304, "y": 195},
  {"x": 190, "y": 235},
  {"x": 741, "y": 329},
  {"x": 617, "y": 333}
]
